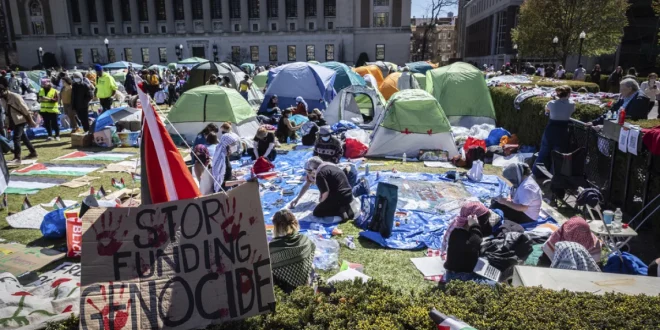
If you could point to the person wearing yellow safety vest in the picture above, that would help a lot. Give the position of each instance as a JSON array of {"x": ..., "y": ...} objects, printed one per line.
[
  {"x": 49, "y": 109},
  {"x": 106, "y": 87}
]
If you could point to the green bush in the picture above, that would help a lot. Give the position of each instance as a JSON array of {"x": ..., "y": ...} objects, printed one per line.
[
  {"x": 377, "y": 306},
  {"x": 530, "y": 121}
]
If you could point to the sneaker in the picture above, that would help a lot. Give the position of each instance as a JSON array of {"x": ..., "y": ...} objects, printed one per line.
[
  {"x": 50, "y": 138},
  {"x": 31, "y": 155},
  {"x": 14, "y": 162},
  {"x": 57, "y": 138}
]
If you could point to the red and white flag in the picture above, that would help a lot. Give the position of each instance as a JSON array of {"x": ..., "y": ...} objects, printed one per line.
[{"x": 167, "y": 177}]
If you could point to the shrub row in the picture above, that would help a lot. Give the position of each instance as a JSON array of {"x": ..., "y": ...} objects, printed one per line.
[{"x": 377, "y": 306}]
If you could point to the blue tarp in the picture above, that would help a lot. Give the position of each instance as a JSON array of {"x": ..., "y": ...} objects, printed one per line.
[
  {"x": 310, "y": 81},
  {"x": 344, "y": 75},
  {"x": 419, "y": 67},
  {"x": 111, "y": 116}
]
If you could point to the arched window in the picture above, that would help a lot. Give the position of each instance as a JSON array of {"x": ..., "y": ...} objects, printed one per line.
[{"x": 37, "y": 17}]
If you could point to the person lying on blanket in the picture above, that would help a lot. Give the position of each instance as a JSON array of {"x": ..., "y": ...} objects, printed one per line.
[
  {"x": 291, "y": 254},
  {"x": 336, "y": 193}
]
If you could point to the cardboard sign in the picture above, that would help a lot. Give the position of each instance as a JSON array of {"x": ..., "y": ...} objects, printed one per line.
[
  {"x": 184, "y": 264},
  {"x": 18, "y": 259}
]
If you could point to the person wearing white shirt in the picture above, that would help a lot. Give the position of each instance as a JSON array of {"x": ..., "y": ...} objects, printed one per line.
[
  {"x": 579, "y": 73},
  {"x": 651, "y": 88},
  {"x": 527, "y": 197},
  {"x": 560, "y": 73}
]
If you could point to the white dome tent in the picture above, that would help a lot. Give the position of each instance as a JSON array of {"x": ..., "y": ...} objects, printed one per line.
[{"x": 345, "y": 107}]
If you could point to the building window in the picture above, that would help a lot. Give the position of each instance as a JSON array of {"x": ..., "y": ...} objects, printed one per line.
[
  {"x": 128, "y": 53},
  {"x": 129, "y": 30},
  {"x": 112, "y": 57},
  {"x": 37, "y": 18},
  {"x": 145, "y": 29},
  {"x": 143, "y": 11},
  {"x": 145, "y": 55},
  {"x": 310, "y": 26},
  {"x": 310, "y": 8},
  {"x": 381, "y": 3},
  {"x": 163, "y": 29},
  {"x": 254, "y": 53},
  {"x": 95, "y": 55},
  {"x": 272, "y": 53},
  {"x": 291, "y": 8},
  {"x": 272, "y": 7},
  {"x": 197, "y": 9},
  {"x": 381, "y": 19},
  {"x": 125, "y": 10},
  {"x": 253, "y": 8},
  {"x": 91, "y": 10},
  {"x": 178, "y": 10},
  {"x": 291, "y": 53},
  {"x": 216, "y": 9},
  {"x": 95, "y": 30},
  {"x": 237, "y": 28},
  {"x": 235, "y": 54},
  {"x": 75, "y": 10},
  {"x": 331, "y": 25},
  {"x": 330, "y": 8},
  {"x": 112, "y": 30},
  {"x": 273, "y": 26},
  {"x": 162, "y": 54},
  {"x": 292, "y": 26},
  {"x": 161, "y": 12},
  {"x": 329, "y": 52},
  {"x": 310, "y": 53},
  {"x": 109, "y": 14},
  {"x": 79, "y": 31},
  {"x": 255, "y": 27},
  {"x": 79, "y": 55},
  {"x": 235, "y": 9},
  {"x": 380, "y": 52}
]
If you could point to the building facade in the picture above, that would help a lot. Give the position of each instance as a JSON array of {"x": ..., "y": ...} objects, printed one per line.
[
  {"x": 441, "y": 38},
  {"x": 255, "y": 31}
]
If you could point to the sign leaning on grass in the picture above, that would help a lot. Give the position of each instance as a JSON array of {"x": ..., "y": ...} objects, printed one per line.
[{"x": 183, "y": 264}]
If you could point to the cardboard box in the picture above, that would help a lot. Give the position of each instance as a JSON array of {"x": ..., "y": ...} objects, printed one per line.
[
  {"x": 81, "y": 140},
  {"x": 103, "y": 138}
]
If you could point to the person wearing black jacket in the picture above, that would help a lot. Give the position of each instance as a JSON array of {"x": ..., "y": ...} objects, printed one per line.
[
  {"x": 81, "y": 94},
  {"x": 631, "y": 99},
  {"x": 129, "y": 84}
]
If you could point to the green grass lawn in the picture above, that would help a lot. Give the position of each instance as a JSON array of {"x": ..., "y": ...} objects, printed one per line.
[{"x": 391, "y": 266}]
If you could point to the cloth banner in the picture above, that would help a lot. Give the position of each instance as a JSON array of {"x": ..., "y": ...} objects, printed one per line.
[
  {"x": 95, "y": 156},
  {"x": 55, "y": 169},
  {"x": 183, "y": 264}
]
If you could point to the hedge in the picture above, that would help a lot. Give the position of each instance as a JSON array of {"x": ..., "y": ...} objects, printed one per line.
[
  {"x": 530, "y": 121},
  {"x": 377, "y": 306}
]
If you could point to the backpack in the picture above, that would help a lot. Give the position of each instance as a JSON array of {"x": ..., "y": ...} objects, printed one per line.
[{"x": 382, "y": 219}]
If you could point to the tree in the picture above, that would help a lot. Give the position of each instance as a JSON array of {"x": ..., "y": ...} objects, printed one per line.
[
  {"x": 434, "y": 9},
  {"x": 541, "y": 20}
]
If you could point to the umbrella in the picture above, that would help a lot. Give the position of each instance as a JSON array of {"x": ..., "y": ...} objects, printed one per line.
[
  {"x": 112, "y": 116},
  {"x": 193, "y": 60},
  {"x": 122, "y": 65}
]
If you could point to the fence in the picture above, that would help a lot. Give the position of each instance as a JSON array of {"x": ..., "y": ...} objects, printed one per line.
[{"x": 627, "y": 181}]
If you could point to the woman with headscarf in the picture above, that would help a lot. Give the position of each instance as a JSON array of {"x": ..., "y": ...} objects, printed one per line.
[
  {"x": 573, "y": 256},
  {"x": 202, "y": 169},
  {"x": 462, "y": 244},
  {"x": 576, "y": 230},
  {"x": 301, "y": 107},
  {"x": 221, "y": 165},
  {"x": 524, "y": 203}
]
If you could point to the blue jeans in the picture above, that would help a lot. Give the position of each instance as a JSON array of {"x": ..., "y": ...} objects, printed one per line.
[
  {"x": 555, "y": 137},
  {"x": 244, "y": 95},
  {"x": 465, "y": 277}
]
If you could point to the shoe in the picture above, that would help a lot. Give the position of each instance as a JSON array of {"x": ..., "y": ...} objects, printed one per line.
[
  {"x": 57, "y": 138},
  {"x": 31, "y": 155},
  {"x": 15, "y": 161},
  {"x": 50, "y": 138}
]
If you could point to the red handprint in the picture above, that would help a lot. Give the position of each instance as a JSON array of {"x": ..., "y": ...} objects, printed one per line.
[
  {"x": 161, "y": 234},
  {"x": 120, "y": 316},
  {"x": 217, "y": 264},
  {"x": 230, "y": 229},
  {"x": 108, "y": 244}
]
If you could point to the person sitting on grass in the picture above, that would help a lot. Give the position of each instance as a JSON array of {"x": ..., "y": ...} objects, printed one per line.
[
  {"x": 464, "y": 244},
  {"x": 336, "y": 193},
  {"x": 309, "y": 130},
  {"x": 576, "y": 230},
  {"x": 573, "y": 256},
  {"x": 286, "y": 129},
  {"x": 526, "y": 194},
  {"x": 328, "y": 147},
  {"x": 291, "y": 253},
  {"x": 264, "y": 145}
]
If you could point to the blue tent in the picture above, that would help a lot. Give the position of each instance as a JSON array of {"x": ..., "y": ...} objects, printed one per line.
[
  {"x": 345, "y": 76},
  {"x": 310, "y": 81},
  {"x": 419, "y": 67},
  {"x": 122, "y": 65},
  {"x": 110, "y": 117}
]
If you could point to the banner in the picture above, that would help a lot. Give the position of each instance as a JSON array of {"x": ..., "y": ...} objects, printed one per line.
[{"x": 183, "y": 264}]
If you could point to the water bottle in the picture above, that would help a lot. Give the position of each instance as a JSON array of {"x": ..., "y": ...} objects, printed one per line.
[
  {"x": 350, "y": 243},
  {"x": 618, "y": 219},
  {"x": 404, "y": 158},
  {"x": 366, "y": 170}
]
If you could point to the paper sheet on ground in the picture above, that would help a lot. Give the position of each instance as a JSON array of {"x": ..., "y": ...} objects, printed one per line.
[
  {"x": 67, "y": 203},
  {"x": 436, "y": 164},
  {"x": 129, "y": 166},
  {"x": 18, "y": 259},
  {"x": 86, "y": 178},
  {"x": 23, "y": 185},
  {"x": 503, "y": 161},
  {"x": 53, "y": 297},
  {"x": 303, "y": 211},
  {"x": 74, "y": 184},
  {"x": 348, "y": 275},
  {"x": 429, "y": 266},
  {"x": 28, "y": 219}
]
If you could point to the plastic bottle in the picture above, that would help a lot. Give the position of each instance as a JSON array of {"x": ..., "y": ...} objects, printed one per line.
[
  {"x": 622, "y": 116},
  {"x": 404, "y": 158},
  {"x": 366, "y": 170},
  {"x": 350, "y": 243},
  {"x": 618, "y": 219},
  {"x": 609, "y": 115}
]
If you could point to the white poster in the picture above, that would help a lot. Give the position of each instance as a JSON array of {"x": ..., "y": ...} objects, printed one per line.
[
  {"x": 633, "y": 139},
  {"x": 623, "y": 139}
]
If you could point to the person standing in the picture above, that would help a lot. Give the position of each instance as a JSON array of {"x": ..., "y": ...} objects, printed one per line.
[
  {"x": 81, "y": 94},
  {"x": 18, "y": 115},
  {"x": 106, "y": 87},
  {"x": 579, "y": 73},
  {"x": 555, "y": 136},
  {"x": 595, "y": 75},
  {"x": 560, "y": 73},
  {"x": 615, "y": 79},
  {"x": 49, "y": 110},
  {"x": 129, "y": 83},
  {"x": 67, "y": 105},
  {"x": 244, "y": 86},
  {"x": 651, "y": 88}
]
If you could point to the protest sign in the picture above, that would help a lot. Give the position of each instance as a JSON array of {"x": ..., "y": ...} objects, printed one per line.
[
  {"x": 18, "y": 259},
  {"x": 183, "y": 264}
]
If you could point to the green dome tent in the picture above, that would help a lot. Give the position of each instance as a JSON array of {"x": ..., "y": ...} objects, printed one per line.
[
  {"x": 461, "y": 90},
  {"x": 261, "y": 79},
  {"x": 413, "y": 120},
  {"x": 203, "y": 105},
  {"x": 421, "y": 80}
]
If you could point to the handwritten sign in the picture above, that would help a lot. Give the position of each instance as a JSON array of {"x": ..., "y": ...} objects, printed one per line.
[{"x": 184, "y": 264}]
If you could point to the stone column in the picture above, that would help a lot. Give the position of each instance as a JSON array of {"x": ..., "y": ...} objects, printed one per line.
[
  {"x": 100, "y": 17},
  {"x": 226, "y": 21},
  {"x": 245, "y": 22},
  {"x": 281, "y": 16},
  {"x": 300, "y": 26},
  {"x": 119, "y": 21},
  {"x": 263, "y": 16},
  {"x": 84, "y": 17},
  {"x": 153, "y": 16},
  {"x": 320, "y": 14},
  {"x": 187, "y": 15},
  {"x": 206, "y": 7},
  {"x": 135, "y": 17},
  {"x": 169, "y": 16}
]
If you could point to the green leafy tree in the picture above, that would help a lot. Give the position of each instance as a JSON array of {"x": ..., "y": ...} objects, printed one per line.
[{"x": 541, "y": 20}]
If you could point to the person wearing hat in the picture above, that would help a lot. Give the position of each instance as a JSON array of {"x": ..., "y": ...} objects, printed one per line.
[
  {"x": 18, "y": 115},
  {"x": 336, "y": 193},
  {"x": 527, "y": 197},
  {"x": 106, "y": 87},
  {"x": 328, "y": 147},
  {"x": 49, "y": 111}
]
